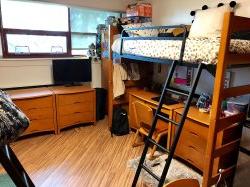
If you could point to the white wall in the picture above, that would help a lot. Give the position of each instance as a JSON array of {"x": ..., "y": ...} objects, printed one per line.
[
  {"x": 168, "y": 12},
  {"x": 25, "y": 72}
]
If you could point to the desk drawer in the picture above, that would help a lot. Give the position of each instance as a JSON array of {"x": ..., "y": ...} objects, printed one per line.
[
  {"x": 34, "y": 103},
  {"x": 192, "y": 143},
  {"x": 191, "y": 154},
  {"x": 68, "y": 99}
]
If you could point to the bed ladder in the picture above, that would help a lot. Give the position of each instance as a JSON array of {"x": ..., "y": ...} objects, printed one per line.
[{"x": 158, "y": 115}]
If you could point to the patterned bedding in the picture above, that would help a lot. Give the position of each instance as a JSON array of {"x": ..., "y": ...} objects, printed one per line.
[{"x": 197, "y": 50}]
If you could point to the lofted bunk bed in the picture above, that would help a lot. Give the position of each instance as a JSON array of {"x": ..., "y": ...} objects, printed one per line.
[{"x": 221, "y": 53}]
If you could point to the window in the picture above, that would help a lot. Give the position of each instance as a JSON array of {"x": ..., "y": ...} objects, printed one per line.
[
  {"x": 36, "y": 29},
  {"x": 84, "y": 22},
  {"x": 31, "y": 28}
]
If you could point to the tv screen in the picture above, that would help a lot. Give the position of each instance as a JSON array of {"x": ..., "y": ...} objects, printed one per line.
[{"x": 71, "y": 71}]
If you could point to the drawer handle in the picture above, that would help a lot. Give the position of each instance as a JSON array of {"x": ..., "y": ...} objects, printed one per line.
[
  {"x": 77, "y": 102},
  {"x": 193, "y": 133},
  {"x": 190, "y": 146},
  {"x": 33, "y": 119},
  {"x": 77, "y": 112}
]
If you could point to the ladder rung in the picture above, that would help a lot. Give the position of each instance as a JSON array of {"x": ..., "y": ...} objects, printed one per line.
[
  {"x": 167, "y": 119},
  {"x": 177, "y": 92},
  {"x": 225, "y": 122},
  {"x": 158, "y": 145},
  {"x": 150, "y": 172},
  {"x": 224, "y": 149}
]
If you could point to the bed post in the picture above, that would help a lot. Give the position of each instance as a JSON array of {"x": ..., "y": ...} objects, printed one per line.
[{"x": 212, "y": 164}]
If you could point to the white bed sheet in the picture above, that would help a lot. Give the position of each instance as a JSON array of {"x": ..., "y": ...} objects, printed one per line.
[{"x": 197, "y": 50}]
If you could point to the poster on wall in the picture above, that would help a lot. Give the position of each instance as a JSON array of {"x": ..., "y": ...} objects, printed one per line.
[{"x": 183, "y": 76}]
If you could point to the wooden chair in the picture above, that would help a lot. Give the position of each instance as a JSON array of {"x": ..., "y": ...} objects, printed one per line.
[
  {"x": 143, "y": 118},
  {"x": 184, "y": 183}
]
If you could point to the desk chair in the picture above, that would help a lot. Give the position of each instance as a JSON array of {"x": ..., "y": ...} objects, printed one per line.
[
  {"x": 143, "y": 118},
  {"x": 183, "y": 183}
]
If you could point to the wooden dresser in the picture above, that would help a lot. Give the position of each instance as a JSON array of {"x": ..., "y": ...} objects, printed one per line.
[
  {"x": 74, "y": 105},
  {"x": 194, "y": 136},
  {"x": 39, "y": 105}
]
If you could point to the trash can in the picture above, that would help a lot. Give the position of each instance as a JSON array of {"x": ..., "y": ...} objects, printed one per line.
[{"x": 101, "y": 95}]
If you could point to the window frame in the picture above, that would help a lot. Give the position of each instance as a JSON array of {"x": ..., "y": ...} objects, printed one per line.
[
  {"x": 82, "y": 34},
  {"x": 7, "y": 54}
]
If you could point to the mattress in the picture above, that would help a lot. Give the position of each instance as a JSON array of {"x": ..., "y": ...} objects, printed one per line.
[{"x": 197, "y": 50}]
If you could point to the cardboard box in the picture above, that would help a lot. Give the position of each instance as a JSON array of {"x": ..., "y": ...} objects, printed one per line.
[{"x": 139, "y": 9}]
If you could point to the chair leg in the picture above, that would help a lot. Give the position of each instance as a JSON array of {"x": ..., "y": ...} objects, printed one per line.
[
  {"x": 151, "y": 156},
  {"x": 135, "y": 144},
  {"x": 14, "y": 168}
]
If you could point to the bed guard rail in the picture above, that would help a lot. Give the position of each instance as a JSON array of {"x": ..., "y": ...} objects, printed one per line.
[{"x": 183, "y": 38}]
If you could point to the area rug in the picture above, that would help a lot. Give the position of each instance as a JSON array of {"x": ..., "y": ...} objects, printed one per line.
[{"x": 177, "y": 170}]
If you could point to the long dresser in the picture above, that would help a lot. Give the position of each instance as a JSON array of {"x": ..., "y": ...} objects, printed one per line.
[{"x": 51, "y": 109}]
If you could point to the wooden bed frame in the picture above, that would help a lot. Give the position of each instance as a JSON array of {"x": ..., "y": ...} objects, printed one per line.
[{"x": 226, "y": 59}]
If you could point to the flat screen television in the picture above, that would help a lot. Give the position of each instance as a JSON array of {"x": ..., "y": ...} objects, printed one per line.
[{"x": 71, "y": 71}]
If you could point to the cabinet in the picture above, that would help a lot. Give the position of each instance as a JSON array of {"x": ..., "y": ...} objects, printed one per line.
[
  {"x": 39, "y": 106},
  {"x": 74, "y": 105}
]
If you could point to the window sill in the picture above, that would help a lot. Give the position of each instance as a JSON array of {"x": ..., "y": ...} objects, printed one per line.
[{"x": 45, "y": 58}]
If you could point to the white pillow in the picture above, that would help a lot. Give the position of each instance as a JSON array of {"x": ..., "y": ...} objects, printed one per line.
[
  {"x": 143, "y": 33},
  {"x": 208, "y": 23}
]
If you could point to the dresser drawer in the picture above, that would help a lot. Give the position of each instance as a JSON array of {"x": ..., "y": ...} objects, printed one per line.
[
  {"x": 75, "y": 118},
  {"x": 40, "y": 125},
  {"x": 40, "y": 113},
  {"x": 34, "y": 103},
  {"x": 75, "y": 108},
  {"x": 85, "y": 97}
]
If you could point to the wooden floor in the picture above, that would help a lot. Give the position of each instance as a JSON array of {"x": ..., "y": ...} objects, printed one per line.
[
  {"x": 87, "y": 156},
  {"x": 79, "y": 157}
]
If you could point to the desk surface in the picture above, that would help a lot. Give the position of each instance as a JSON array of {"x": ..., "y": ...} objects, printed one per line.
[
  {"x": 194, "y": 114},
  {"x": 147, "y": 96}
]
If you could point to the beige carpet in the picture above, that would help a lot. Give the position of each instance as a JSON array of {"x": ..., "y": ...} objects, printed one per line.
[{"x": 177, "y": 170}]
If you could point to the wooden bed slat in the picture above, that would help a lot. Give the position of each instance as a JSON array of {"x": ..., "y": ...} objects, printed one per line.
[
  {"x": 225, "y": 122},
  {"x": 224, "y": 149},
  {"x": 226, "y": 172},
  {"x": 238, "y": 59},
  {"x": 235, "y": 91},
  {"x": 240, "y": 24}
]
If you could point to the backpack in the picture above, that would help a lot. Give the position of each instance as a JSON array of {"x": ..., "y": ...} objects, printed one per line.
[{"x": 120, "y": 124}]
